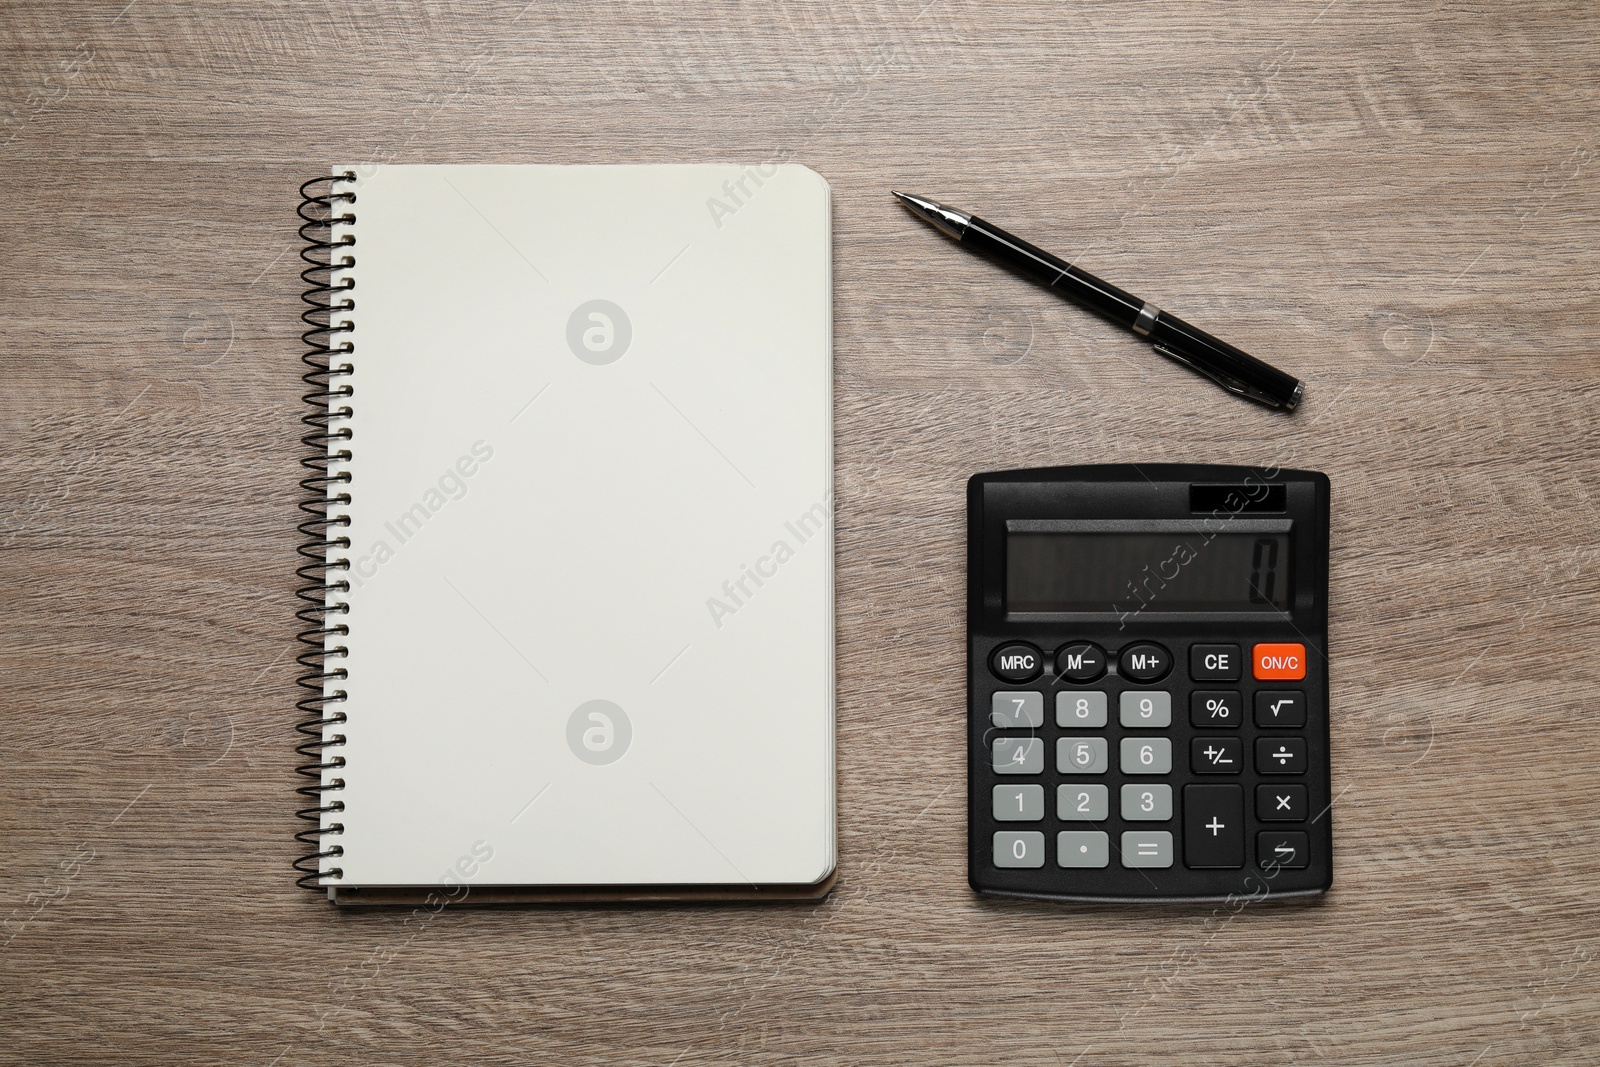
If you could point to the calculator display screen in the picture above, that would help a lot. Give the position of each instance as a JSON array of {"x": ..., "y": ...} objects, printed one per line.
[{"x": 1126, "y": 572}]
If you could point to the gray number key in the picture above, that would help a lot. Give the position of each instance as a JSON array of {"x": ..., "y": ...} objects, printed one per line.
[
  {"x": 1081, "y": 755},
  {"x": 1019, "y": 848},
  {"x": 1146, "y": 755},
  {"x": 1013, "y": 710},
  {"x": 1081, "y": 709},
  {"x": 1082, "y": 803},
  {"x": 1018, "y": 755},
  {"x": 1151, "y": 802},
  {"x": 1146, "y": 709},
  {"x": 1018, "y": 803}
]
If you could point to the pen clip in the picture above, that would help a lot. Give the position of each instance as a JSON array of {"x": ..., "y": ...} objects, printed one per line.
[{"x": 1231, "y": 384}]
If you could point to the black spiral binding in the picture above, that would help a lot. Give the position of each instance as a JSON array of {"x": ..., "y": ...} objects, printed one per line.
[{"x": 324, "y": 258}]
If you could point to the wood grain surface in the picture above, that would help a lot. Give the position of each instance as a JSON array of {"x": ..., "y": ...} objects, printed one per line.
[{"x": 1396, "y": 202}]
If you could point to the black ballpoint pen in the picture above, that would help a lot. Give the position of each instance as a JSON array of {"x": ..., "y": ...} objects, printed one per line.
[{"x": 1236, "y": 371}]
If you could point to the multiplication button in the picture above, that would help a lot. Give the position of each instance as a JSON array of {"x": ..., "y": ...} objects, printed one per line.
[{"x": 1281, "y": 803}]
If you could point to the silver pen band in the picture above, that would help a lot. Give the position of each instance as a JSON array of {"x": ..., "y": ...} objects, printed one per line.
[{"x": 1146, "y": 320}]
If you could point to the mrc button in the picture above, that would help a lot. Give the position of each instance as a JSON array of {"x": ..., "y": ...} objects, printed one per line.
[
  {"x": 1145, "y": 662},
  {"x": 1016, "y": 662},
  {"x": 1081, "y": 662},
  {"x": 1278, "y": 662}
]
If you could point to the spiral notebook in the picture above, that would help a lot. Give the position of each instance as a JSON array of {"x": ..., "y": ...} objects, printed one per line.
[{"x": 570, "y": 554}]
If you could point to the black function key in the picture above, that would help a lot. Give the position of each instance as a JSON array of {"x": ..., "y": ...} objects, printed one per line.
[
  {"x": 1081, "y": 662},
  {"x": 1280, "y": 755},
  {"x": 1145, "y": 662},
  {"x": 1285, "y": 710},
  {"x": 1016, "y": 663},
  {"x": 1216, "y": 709},
  {"x": 1216, "y": 755},
  {"x": 1280, "y": 848},
  {"x": 1213, "y": 826},
  {"x": 1215, "y": 663},
  {"x": 1281, "y": 803}
]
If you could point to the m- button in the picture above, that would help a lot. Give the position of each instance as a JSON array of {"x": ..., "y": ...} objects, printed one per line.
[
  {"x": 1279, "y": 662},
  {"x": 1214, "y": 663}
]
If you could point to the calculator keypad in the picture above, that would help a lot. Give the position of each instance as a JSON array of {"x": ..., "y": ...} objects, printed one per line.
[{"x": 1123, "y": 798}]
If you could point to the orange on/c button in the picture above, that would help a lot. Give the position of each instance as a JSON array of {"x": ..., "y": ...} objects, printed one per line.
[{"x": 1279, "y": 663}]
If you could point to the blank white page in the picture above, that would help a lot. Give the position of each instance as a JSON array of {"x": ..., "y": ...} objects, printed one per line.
[{"x": 591, "y": 603}]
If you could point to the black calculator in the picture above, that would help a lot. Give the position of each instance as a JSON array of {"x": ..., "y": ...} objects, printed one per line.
[{"x": 1147, "y": 683}]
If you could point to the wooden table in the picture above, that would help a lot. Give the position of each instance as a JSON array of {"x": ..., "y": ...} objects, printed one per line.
[{"x": 1397, "y": 203}]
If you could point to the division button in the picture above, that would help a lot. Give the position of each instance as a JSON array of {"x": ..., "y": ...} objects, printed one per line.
[
  {"x": 1216, "y": 755},
  {"x": 1081, "y": 662},
  {"x": 1281, "y": 803},
  {"x": 1278, "y": 662},
  {"x": 1018, "y": 803},
  {"x": 1016, "y": 663},
  {"x": 1083, "y": 848},
  {"x": 1283, "y": 710},
  {"x": 1215, "y": 663},
  {"x": 1213, "y": 826},
  {"x": 1280, "y": 755},
  {"x": 1145, "y": 662},
  {"x": 1215, "y": 709},
  {"x": 1013, "y": 710},
  {"x": 1019, "y": 848},
  {"x": 1019, "y": 755},
  {"x": 1280, "y": 848},
  {"x": 1146, "y": 848}
]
